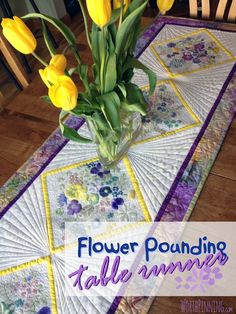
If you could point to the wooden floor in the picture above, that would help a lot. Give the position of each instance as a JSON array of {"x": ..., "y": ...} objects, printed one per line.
[{"x": 27, "y": 121}]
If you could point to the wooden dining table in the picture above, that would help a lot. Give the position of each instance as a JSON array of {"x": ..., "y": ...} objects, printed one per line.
[{"x": 27, "y": 122}]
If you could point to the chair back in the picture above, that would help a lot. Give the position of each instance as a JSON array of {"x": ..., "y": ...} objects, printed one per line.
[{"x": 221, "y": 9}]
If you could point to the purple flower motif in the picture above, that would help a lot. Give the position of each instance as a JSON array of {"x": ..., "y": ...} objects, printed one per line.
[
  {"x": 187, "y": 56},
  {"x": 117, "y": 202},
  {"x": 171, "y": 45},
  {"x": 199, "y": 46},
  {"x": 62, "y": 199},
  {"x": 199, "y": 279},
  {"x": 196, "y": 60},
  {"x": 74, "y": 208},
  {"x": 114, "y": 205},
  {"x": 97, "y": 170},
  {"x": 44, "y": 310}
]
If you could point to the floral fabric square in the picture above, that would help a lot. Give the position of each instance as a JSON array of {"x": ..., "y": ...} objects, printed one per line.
[
  {"x": 87, "y": 192},
  {"x": 26, "y": 291},
  {"x": 168, "y": 113},
  {"x": 190, "y": 53}
]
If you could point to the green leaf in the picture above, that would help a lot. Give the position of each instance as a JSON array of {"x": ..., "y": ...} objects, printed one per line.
[
  {"x": 135, "y": 101},
  {"x": 94, "y": 42},
  {"x": 46, "y": 98},
  {"x": 69, "y": 133},
  {"x": 114, "y": 17},
  {"x": 47, "y": 40},
  {"x": 133, "y": 6},
  {"x": 110, "y": 74},
  {"x": 111, "y": 110},
  {"x": 122, "y": 88},
  {"x": 126, "y": 27},
  {"x": 86, "y": 106},
  {"x": 101, "y": 122},
  {"x": 63, "y": 29},
  {"x": 128, "y": 74},
  {"x": 113, "y": 31},
  {"x": 135, "y": 63},
  {"x": 72, "y": 135}
]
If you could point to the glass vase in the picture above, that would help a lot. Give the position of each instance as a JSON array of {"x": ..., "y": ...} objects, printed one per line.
[{"x": 112, "y": 147}]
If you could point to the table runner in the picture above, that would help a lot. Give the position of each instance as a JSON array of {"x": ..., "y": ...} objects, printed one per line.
[{"x": 160, "y": 179}]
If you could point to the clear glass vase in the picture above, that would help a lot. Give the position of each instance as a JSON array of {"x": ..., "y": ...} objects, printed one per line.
[{"x": 112, "y": 147}]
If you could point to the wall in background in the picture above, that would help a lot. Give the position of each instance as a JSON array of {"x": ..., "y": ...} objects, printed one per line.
[{"x": 54, "y": 8}]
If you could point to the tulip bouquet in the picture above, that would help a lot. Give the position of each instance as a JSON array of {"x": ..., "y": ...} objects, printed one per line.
[{"x": 111, "y": 103}]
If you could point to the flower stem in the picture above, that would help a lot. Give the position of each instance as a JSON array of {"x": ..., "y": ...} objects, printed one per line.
[
  {"x": 85, "y": 23},
  {"x": 39, "y": 59},
  {"x": 121, "y": 13},
  {"x": 103, "y": 60}
]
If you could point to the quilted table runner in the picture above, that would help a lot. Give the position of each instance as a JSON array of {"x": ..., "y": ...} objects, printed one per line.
[{"x": 159, "y": 180}]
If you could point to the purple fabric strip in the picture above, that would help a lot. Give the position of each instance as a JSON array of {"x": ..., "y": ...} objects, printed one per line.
[
  {"x": 54, "y": 154},
  {"x": 194, "y": 146},
  {"x": 193, "y": 23}
]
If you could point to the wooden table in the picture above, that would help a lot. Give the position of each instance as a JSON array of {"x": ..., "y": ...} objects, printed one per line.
[{"x": 28, "y": 121}]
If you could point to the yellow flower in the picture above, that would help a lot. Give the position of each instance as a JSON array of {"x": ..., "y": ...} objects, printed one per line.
[
  {"x": 55, "y": 69},
  {"x": 64, "y": 93},
  {"x": 59, "y": 62},
  {"x": 117, "y": 4},
  {"x": 76, "y": 192},
  {"x": 19, "y": 35},
  {"x": 165, "y": 5},
  {"x": 50, "y": 75},
  {"x": 131, "y": 195},
  {"x": 100, "y": 11}
]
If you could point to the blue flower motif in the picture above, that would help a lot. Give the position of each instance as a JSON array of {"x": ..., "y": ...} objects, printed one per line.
[
  {"x": 44, "y": 310},
  {"x": 110, "y": 215},
  {"x": 105, "y": 191},
  {"x": 19, "y": 303},
  {"x": 62, "y": 199},
  {"x": 28, "y": 278}
]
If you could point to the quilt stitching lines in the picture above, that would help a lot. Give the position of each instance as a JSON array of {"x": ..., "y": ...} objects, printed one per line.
[
  {"x": 52, "y": 249},
  {"x": 51, "y": 283},
  {"x": 186, "y": 106},
  {"x": 173, "y": 75}
]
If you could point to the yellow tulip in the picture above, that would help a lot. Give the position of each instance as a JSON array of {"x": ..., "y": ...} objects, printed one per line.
[
  {"x": 19, "y": 35},
  {"x": 100, "y": 11},
  {"x": 55, "y": 69},
  {"x": 59, "y": 62},
  {"x": 117, "y": 4},
  {"x": 64, "y": 93},
  {"x": 50, "y": 75},
  {"x": 165, "y": 5}
]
